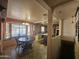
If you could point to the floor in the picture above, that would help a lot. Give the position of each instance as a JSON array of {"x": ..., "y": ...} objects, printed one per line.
[
  {"x": 67, "y": 50},
  {"x": 38, "y": 51}
]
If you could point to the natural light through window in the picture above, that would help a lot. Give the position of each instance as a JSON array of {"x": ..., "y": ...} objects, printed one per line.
[
  {"x": 28, "y": 33},
  {"x": 7, "y": 31},
  {"x": 18, "y": 30},
  {"x": 42, "y": 28}
]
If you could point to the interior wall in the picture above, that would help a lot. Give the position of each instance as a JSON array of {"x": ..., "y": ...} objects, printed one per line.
[
  {"x": 56, "y": 44},
  {"x": 68, "y": 10},
  {"x": 68, "y": 29},
  {"x": 69, "y": 33},
  {"x": 37, "y": 29}
]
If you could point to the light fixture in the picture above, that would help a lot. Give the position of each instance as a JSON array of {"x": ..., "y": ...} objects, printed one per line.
[{"x": 25, "y": 23}]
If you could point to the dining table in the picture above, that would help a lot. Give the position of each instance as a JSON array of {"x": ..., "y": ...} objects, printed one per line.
[{"x": 26, "y": 42}]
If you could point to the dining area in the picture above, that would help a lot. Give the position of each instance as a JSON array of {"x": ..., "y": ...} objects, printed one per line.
[
  {"x": 19, "y": 42},
  {"x": 24, "y": 43}
]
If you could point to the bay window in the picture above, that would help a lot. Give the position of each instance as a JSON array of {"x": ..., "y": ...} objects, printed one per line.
[{"x": 17, "y": 30}]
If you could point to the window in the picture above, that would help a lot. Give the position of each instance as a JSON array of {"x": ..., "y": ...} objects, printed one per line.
[
  {"x": 15, "y": 30},
  {"x": 22, "y": 30},
  {"x": 18, "y": 30},
  {"x": 27, "y": 28},
  {"x": 42, "y": 29},
  {"x": 7, "y": 31},
  {"x": 28, "y": 31}
]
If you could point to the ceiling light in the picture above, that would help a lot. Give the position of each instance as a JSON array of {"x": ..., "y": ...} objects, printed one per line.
[{"x": 25, "y": 23}]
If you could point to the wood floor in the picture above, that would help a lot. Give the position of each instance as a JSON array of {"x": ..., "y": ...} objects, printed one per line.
[{"x": 38, "y": 51}]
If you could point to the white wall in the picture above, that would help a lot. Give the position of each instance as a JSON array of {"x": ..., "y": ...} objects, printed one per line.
[{"x": 68, "y": 29}]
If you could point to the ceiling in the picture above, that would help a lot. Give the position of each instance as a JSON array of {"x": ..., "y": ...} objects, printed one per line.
[
  {"x": 55, "y": 3},
  {"x": 67, "y": 10},
  {"x": 64, "y": 9},
  {"x": 30, "y": 10}
]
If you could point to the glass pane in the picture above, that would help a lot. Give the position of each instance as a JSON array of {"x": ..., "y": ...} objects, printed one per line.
[
  {"x": 15, "y": 30},
  {"x": 18, "y": 30},
  {"x": 7, "y": 31},
  {"x": 42, "y": 29}
]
